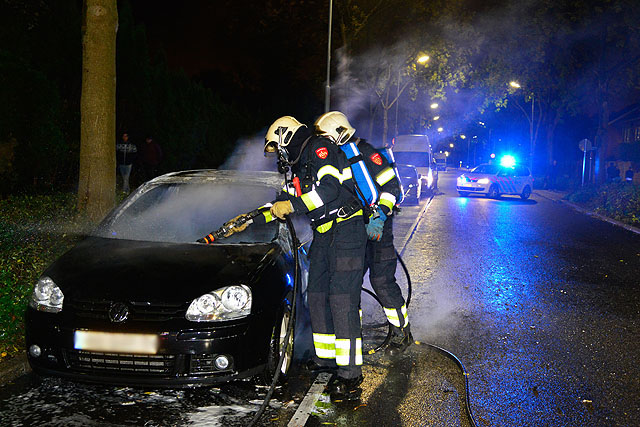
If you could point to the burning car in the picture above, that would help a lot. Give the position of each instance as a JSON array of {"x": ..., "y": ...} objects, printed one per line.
[{"x": 139, "y": 302}]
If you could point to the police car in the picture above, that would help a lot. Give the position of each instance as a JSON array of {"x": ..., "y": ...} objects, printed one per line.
[{"x": 496, "y": 180}]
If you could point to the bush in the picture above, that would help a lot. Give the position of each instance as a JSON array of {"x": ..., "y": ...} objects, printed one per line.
[
  {"x": 620, "y": 201},
  {"x": 34, "y": 230}
]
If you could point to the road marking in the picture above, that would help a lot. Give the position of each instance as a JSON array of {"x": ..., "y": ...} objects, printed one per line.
[
  {"x": 299, "y": 419},
  {"x": 414, "y": 227}
]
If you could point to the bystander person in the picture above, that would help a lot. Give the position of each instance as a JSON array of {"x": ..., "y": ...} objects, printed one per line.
[
  {"x": 628, "y": 175},
  {"x": 552, "y": 176},
  {"x": 126, "y": 153},
  {"x": 613, "y": 173},
  {"x": 150, "y": 158}
]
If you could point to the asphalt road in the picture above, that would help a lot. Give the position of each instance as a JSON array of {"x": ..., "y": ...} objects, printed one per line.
[{"x": 540, "y": 302}]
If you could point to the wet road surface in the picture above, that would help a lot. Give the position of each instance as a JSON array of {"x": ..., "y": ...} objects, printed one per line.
[{"x": 541, "y": 304}]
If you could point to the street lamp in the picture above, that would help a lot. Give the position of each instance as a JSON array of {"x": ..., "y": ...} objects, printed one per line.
[
  {"x": 436, "y": 118},
  {"x": 440, "y": 129},
  {"x": 517, "y": 85},
  {"x": 434, "y": 105},
  {"x": 423, "y": 59},
  {"x": 451, "y": 145}
]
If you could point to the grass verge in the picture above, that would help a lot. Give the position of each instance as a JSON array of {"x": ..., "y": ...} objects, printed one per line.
[
  {"x": 620, "y": 201},
  {"x": 34, "y": 231}
]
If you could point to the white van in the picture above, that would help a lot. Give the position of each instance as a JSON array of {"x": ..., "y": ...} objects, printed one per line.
[{"x": 415, "y": 150}]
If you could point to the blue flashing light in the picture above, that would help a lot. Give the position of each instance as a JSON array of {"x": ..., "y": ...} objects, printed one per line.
[
  {"x": 508, "y": 161},
  {"x": 289, "y": 280}
]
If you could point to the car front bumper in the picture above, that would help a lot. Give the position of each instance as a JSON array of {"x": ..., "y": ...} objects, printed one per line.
[
  {"x": 472, "y": 187},
  {"x": 184, "y": 356}
]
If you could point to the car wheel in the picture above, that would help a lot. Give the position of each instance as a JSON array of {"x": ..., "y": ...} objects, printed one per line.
[
  {"x": 278, "y": 336},
  {"x": 494, "y": 193},
  {"x": 526, "y": 192},
  {"x": 463, "y": 193}
]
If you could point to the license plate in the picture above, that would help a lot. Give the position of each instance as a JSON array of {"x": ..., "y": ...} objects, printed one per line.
[{"x": 116, "y": 342}]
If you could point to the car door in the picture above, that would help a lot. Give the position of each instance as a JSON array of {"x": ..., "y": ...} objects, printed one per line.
[{"x": 506, "y": 178}]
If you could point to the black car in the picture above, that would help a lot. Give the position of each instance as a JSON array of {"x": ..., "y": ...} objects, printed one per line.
[
  {"x": 411, "y": 184},
  {"x": 140, "y": 302}
]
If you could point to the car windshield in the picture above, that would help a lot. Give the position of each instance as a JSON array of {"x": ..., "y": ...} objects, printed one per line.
[
  {"x": 185, "y": 212},
  {"x": 488, "y": 169},
  {"x": 416, "y": 158}
]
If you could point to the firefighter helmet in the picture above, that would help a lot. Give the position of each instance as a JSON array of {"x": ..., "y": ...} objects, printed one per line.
[
  {"x": 280, "y": 133},
  {"x": 335, "y": 126}
]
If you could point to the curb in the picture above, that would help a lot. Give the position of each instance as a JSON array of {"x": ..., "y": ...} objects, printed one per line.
[
  {"x": 593, "y": 214},
  {"x": 14, "y": 368}
]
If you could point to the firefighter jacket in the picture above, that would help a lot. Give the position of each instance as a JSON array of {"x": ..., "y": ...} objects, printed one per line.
[
  {"x": 384, "y": 175},
  {"x": 325, "y": 183}
]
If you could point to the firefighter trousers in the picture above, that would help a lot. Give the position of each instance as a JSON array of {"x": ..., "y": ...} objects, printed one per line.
[
  {"x": 336, "y": 261},
  {"x": 381, "y": 260}
]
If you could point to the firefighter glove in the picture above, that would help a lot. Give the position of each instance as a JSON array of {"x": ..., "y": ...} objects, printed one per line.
[
  {"x": 241, "y": 226},
  {"x": 374, "y": 228},
  {"x": 281, "y": 209}
]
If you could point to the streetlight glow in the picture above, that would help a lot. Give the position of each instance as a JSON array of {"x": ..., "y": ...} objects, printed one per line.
[
  {"x": 463, "y": 136},
  {"x": 436, "y": 118},
  {"x": 451, "y": 145},
  {"x": 514, "y": 84},
  {"x": 434, "y": 105},
  {"x": 423, "y": 59},
  {"x": 440, "y": 129}
]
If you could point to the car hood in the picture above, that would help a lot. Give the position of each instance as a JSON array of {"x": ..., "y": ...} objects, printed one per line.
[
  {"x": 101, "y": 268},
  {"x": 479, "y": 175}
]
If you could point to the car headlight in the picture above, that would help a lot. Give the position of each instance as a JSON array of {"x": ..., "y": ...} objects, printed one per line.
[
  {"x": 463, "y": 178},
  {"x": 46, "y": 296},
  {"x": 483, "y": 181},
  {"x": 230, "y": 302}
]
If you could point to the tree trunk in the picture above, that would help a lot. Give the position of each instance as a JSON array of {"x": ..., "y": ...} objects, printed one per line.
[
  {"x": 385, "y": 125},
  {"x": 96, "y": 186}
]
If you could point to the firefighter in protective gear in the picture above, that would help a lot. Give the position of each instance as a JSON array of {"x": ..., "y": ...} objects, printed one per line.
[
  {"x": 381, "y": 258},
  {"x": 323, "y": 189}
]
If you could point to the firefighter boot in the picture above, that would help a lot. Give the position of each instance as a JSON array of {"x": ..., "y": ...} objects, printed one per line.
[
  {"x": 401, "y": 339},
  {"x": 345, "y": 389}
]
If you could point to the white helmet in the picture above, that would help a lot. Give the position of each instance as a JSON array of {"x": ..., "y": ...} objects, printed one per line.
[
  {"x": 280, "y": 133},
  {"x": 335, "y": 126}
]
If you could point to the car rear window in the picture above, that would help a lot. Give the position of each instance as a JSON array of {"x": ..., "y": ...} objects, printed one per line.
[
  {"x": 416, "y": 158},
  {"x": 183, "y": 213}
]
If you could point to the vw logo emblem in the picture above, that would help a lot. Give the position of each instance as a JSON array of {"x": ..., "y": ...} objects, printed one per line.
[{"x": 118, "y": 312}]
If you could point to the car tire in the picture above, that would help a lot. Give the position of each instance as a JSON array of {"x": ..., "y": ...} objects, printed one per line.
[
  {"x": 276, "y": 342},
  {"x": 526, "y": 192},
  {"x": 463, "y": 193},
  {"x": 494, "y": 193}
]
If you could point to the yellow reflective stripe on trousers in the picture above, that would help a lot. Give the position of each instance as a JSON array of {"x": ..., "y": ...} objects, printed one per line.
[
  {"x": 343, "y": 346},
  {"x": 325, "y": 345},
  {"x": 387, "y": 199},
  {"x": 385, "y": 176},
  {"x": 327, "y": 226},
  {"x": 392, "y": 316},
  {"x": 343, "y": 349},
  {"x": 312, "y": 200}
]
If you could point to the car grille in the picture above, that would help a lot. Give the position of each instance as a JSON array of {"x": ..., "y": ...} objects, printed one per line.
[
  {"x": 138, "y": 310},
  {"x": 156, "y": 364}
]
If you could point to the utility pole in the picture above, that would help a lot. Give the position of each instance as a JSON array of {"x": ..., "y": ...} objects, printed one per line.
[{"x": 327, "y": 90}]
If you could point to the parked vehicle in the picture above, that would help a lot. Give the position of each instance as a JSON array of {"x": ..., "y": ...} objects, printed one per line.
[
  {"x": 140, "y": 302},
  {"x": 411, "y": 184},
  {"x": 415, "y": 150}
]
